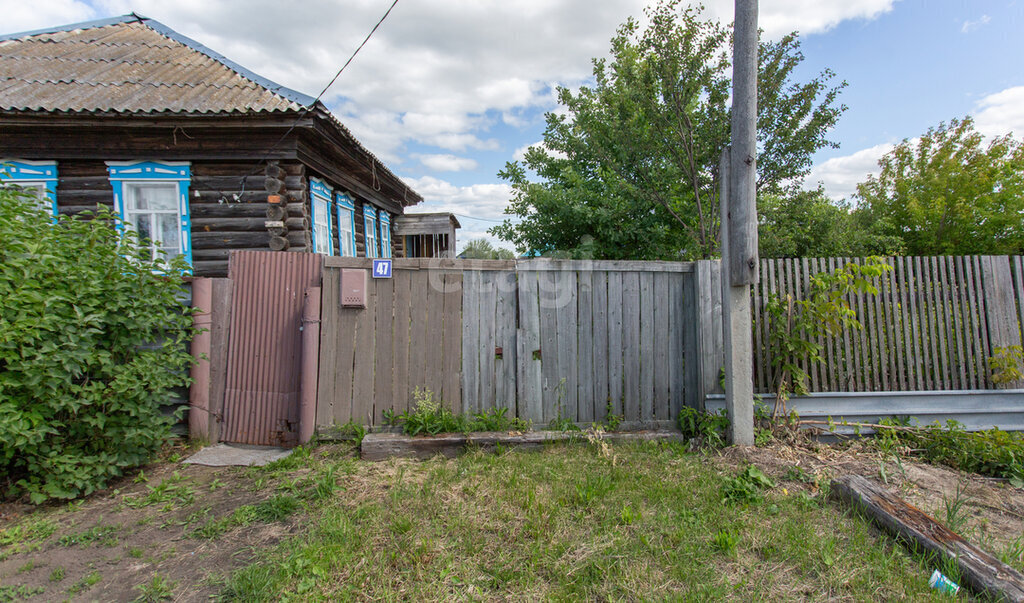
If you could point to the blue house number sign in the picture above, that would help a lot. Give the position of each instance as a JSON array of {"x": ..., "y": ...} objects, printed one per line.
[{"x": 381, "y": 268}]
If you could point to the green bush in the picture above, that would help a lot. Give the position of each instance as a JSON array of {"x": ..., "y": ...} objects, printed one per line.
[{"x": 93, "y": 338}]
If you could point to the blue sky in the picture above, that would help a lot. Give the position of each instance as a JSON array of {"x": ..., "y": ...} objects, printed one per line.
[{"x": 447, "y": 91}]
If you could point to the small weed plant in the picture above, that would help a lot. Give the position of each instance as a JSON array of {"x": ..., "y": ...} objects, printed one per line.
[
  {"x": 159, "y": 588},
  {"x": 429, "y": 416},
  {"x": 1005, "y": 364},
  {"x": 708, "y": 429},
  {"x": 746, "y": 487}
]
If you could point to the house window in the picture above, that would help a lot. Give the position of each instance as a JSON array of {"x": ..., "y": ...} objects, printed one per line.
[
  {"x": 152, "y": 197},
  {"x": 321, "y": 207},
  {"x": 346, "y": 224},
  {"x": 370, "y": 228},
  {"x": 36, "y": 177},
  {"x": 385, "y": 234}
]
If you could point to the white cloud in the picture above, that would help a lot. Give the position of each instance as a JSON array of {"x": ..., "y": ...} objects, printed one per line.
[
  {"x": 434, "y": 67},
  {"x": 484, "y": 201},
  {"x": 1001, "y": 113},
  {"x": 970, "y": 26},
  {"x": 446, "y": 163},
  {"x": 25, "y": 16},
  {"x": 840, "y": 175}
]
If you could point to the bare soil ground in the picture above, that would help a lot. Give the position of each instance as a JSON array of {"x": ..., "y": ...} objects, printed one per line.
[{"x": 105, "y": 547}]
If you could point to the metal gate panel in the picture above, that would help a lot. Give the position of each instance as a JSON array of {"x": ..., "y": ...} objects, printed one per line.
[{"x": 261, "y": 400}]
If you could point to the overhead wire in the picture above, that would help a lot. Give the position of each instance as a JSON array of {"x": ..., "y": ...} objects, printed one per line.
[{"x": 310, "y": 106}]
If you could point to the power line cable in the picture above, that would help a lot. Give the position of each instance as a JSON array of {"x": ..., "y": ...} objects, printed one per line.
[{"x": 310, "y": 106}]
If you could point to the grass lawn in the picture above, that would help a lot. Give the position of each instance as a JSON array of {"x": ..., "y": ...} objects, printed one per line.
[{"x": 588, "y": 521}]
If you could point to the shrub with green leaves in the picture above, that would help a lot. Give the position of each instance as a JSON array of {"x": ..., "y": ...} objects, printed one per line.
[{"x": 93, "y": 338}]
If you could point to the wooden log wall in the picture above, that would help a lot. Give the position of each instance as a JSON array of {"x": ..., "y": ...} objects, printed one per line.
[
  {"x": 933, "y": 325},
  {"x": 220, "y": 223}
]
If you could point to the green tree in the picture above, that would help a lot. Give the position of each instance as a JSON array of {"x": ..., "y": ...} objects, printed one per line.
[
  {"x": 631, "y": 165},
  {"x": 481, "y": 249},
  {"x": 950, "y": 192},
  {"x": 92, "y": 342},
  {"x": 802, "y": 223}
]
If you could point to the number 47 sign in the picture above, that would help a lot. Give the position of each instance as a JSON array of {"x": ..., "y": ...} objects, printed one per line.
[{"x": 381, "y": 268}]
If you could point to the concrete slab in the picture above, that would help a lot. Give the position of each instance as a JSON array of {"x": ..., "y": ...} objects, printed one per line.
[{"x": 237, "y": 455}]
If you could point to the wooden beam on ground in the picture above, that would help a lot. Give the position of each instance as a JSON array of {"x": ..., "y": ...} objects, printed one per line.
[
  {"x": 982, "y": 573},
  {"x": 381, "y": 446}
]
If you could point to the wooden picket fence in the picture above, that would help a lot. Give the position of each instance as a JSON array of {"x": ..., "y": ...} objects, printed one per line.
[{"x": 933, "y": 325}]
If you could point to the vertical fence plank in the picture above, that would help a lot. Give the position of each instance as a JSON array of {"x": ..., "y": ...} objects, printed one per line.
[
  {"x": 451, "y": 345},
  {"x": 401, "y": 337},
  {"x": 471, "y": 368},
  {"x": 432, "y": 333},
  {"x": 362, "y": 379},
  {"x": 384, "y": 355},
  {"x": 566, "y": 333},
  {"x": 615, "y": 342},
  {"x": 661, "y": 333},
  {"x": 599, "y": 284},
  {"x": 966, "y": 321},
  {"x": 548, "y": 288},
  {"x": 327, "y": 389},
  {"x": 677, "y": 356},
  {"x": 488, "y": 306},
  {"x": 878, "y": 334},
  {"x": 941, "y": 322},
  {"x": 646, "y": 358},
  {"x": 585, "y": 336},
  {"x": 921, "y": 291},
  {"x": 773, "y": 269},
  {"x": 983, "y": 323},
  {"x": 509, "y": 292},
  {"x": 896, "y": 356},
  {"x": 529, "y": 381},
  {"x": 631, "y": 344}
]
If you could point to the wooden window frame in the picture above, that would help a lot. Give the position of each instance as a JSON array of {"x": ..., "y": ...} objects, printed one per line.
[
  {"x": 30, "y": 173},
  {"x": 320, "y": 191},
  {"x": 346, "y": 215},
  {"x": 122, "y": 173}
]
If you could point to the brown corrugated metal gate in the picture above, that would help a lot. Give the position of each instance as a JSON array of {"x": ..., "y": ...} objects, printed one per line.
[{"x": 261, "y": 400}]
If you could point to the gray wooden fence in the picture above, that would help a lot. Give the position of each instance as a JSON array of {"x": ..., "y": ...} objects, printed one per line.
[
  {"x": 932, "y": 326},
  {"x": 543, "y": 338}
]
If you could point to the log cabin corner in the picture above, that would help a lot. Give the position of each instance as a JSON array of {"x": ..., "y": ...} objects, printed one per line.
[{"x": 192, "y": 149}]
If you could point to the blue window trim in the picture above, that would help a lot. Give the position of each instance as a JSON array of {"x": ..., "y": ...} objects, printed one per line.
[
  {"x": 24, "y": 171},
  {"x": 159, "y": 171},
  {"x": 319, "y": 188},
  {"x": 370, "y": 225},
  {"x": 346, "y": 211},
  {"x": 385, "y": 233}
]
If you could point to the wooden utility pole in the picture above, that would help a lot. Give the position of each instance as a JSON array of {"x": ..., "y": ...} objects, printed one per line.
[{"x": 739, "y": 228}]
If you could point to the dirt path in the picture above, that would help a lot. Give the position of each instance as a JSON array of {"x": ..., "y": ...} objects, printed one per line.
[{"x": 174, "y": 528}]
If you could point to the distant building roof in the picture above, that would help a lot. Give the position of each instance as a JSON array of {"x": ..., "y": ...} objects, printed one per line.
[{"x": 134, "y": 65}]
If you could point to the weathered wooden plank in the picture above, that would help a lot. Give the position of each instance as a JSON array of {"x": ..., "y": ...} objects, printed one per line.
[
  {"x": 599, "y": 284},
  {"x": 1000, "y": 305},
  {"x": 451, "y": 346},
  {"x": 488, "y": 308},
  {"x": 327, "y": 386},
  {"x": 529, "y": 376},
  {"x": 470, "y": 341},
  {"x": 647, "y": 326},
  {"x": 941, "y": 322},
  {"x": 864, "y": 345},
  {"x": 677, "y": 338},
  {"x": 878, "y": 334},
  {"x": 715, "y": 355},
  {"x": 662, "y": 334},
  {"x": 220, "y": 334},
  {"x": 981, "y": 315},
  {"x": 362, "y": 379},
  {"x": 949, "y": 319},
  {"x": 419, "y": 346},
  {"x": 923, "y": 308},
  {"x": 967, "y": 321},
  {"x": 892, "y": 302},
  {"x": 566, "y": 334},
  {"x": 813, "y": 368},
  {"x": 773, "y": 284},
  {"x": 547, "y": 284},
  {"x": 912, "y": 284},
  {"x": 631, "y": 345},
  {"x": 982, "y": 572},
  {"x": 585, "y": 336},
  {"x": 384, "y": 359},
  {"x": 401, "y": 340},
  {"x": 433, "y": 333},
  {"x": 833, "y": 355},
  {"x": 615, "y": 342},
  {"x": 505, "y": 364},
  {"x": 757, "y": 318}
]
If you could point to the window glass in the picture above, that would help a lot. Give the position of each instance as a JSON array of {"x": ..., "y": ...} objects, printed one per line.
[{"x": 152, "y": 209}]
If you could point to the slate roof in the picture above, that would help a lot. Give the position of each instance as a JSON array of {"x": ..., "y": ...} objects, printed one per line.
[
  {"x": 134, "y": 65},
  {"x": 129, "y": 64}
]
